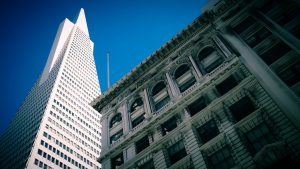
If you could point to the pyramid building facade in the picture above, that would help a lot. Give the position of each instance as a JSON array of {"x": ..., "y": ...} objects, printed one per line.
[{"x": 55, "y": 127}]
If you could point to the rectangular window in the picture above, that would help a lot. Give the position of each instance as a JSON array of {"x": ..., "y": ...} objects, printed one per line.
[
  {"x": 275, "y": 52},
  {"x": 42, "y": 142},
  {"x": 141, "y": 144},
  {"x": 242, "y": 108},
  {"x": 116, "y": 136},
  {"x": 36, "y": 161},
  {"x": 258, "y": 36},
  {"x": 197, "y": 106},
  {"x": 221, "y": 159},
  {"x": 291, "y": 75},
  {"x": 176, "y": 152},
  {"x": 208, "y": 131},
  {"x": 117, "y": 161},
  {"x": 41, "y": 164},
  {"x": 258, "y": 137},
  {"x": 226, "y": 85},
  {"x": 162, "y": 103},
  {"x": 169, "y": 125},
  {"x": 148, "y": 165},
  {"x": 138, "y": 120},
  {"x": 245, "y": 24}
]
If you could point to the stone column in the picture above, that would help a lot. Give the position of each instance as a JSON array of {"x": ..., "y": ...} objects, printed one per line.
[
  {"x": 174, "y": 89},
  {"x": 157, "y": 135},
  {"x": 126, "y": 122},
  {"x": 285, "y": 98},
  {"x": 222, "y": 46},
  {"x": 185, "y": 115},
  {"x": 195, "y": 67},
  {"x": 159, "y": 159},
  {"x": 105, "y": 137},
  {"x": 192, "y": 148},
  {"x": 129, "y": 152},
  {"x": 106, "y": 164},
  {"x": 276, "y": 29},
  {"x": 147, "y": 103}
]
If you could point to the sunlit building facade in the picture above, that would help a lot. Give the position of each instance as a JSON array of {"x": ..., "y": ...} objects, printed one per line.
[
  {"x": 55, "y": 127},
  {"x": 223, "y": 93}
]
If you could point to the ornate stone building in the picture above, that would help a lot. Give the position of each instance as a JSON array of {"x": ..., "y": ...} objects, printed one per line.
[{"x": 223, "y": 93}]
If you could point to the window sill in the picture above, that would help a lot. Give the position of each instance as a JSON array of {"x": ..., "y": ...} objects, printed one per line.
[{"x": 182, "y": 163}]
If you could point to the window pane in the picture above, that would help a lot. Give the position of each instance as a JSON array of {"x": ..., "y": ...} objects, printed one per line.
[
  {"x": 258, "y": 137},
  {"x": 176, "y": 152},
  {"x": 117, "y": 161},
  {"x": 197, "y": 106},
  {"x": 242, "y": 108},
  {"x": 221, "y": 159},
  {"x": 138, "y": 120},
  {"x": 142, "y": 144},
  {"x": 208, "y": 131},
  {"x": 169, "y": 125},
  {"x": 226, "y": 85}
]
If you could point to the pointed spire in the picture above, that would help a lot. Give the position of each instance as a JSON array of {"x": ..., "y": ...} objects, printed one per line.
[{"x": 81, "y": 22}]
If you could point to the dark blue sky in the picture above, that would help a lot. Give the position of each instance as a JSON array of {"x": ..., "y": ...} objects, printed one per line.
[{"x": 130, "y": 29}]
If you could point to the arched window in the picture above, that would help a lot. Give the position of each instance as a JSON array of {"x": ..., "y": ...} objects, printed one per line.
[
  {"x": 115, "y": 120},
  {"x": 137, "y": 113},
  {"x": 209, "y": 60},
  {"x": 136, "y": 104},
  {"x": 184, "y": 77},
  {"x": 160, "y": 95}
]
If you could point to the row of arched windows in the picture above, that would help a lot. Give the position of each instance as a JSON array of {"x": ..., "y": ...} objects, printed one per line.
[{"x": 207, "y": 60}]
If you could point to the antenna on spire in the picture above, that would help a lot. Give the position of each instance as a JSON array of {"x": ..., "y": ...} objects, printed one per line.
[{"x": 108, "y": 73}]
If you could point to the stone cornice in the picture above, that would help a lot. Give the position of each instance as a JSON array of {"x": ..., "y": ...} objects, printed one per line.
[{"x": 200, "y": 23}]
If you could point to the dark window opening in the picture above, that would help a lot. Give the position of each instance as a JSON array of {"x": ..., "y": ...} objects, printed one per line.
[
  {"x": 205, "y": 52},
  {"x": 117, "y": 161},
  {"x": 275, "y": 52},
  {"x": 181, "y": 71},
  {"x": 162, "y": 103},
  {"x": 148, "y": 165},
  {"x": 136, "y": 104},
  {"x": 214, "y": 65},
  {"x": 258, "y": 137},
  {"x": 291, "y": 76},
  {"x": 158, "y": 87},
  {"x": 245, "y": 24},
  {"x": 208, "y": 131},
  {"x": 258, "y": 37},
  {"x": 197, "y": 106},
  {"x": 184, "y": 84},
  {"x": 226, "y": 85},
  {"x": 176, "y": 152},
  {"x": 242, "y": 108},
  {"x": 169, "y": 125},
  {"x": 115, "y": 120},
  {"x": 142, "y": 144},
  {"x": 138, "y": 120},
  {"x": 116, "y": 136},
  {"x": 209, "y": 60},
  {"x": 187, "y": 85},
  {"x": 221, "y": 159},
  {"x": 160, "y": 98}
]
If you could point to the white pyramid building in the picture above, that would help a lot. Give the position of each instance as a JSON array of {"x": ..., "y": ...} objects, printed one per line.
[{"x": 55, "y": 127}]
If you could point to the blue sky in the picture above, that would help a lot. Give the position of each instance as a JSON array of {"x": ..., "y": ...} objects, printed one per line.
[{"x": 129, "y": 29}]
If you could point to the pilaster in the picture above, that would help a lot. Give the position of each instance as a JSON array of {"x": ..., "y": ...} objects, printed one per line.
[
  {"x": 174, "y": 89},
  {"x": 279, "y": 31},
  {"x": 147, "y": 106},
  {"x": 282, "y": 94},
  {"x": 195, "y": 67}
]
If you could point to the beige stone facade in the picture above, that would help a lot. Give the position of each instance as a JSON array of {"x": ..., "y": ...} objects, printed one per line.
[{"x": 223, "y": 93}]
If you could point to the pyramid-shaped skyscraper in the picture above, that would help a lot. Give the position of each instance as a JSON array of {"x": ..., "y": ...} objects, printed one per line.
[{"x": 55, "y": 127}]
